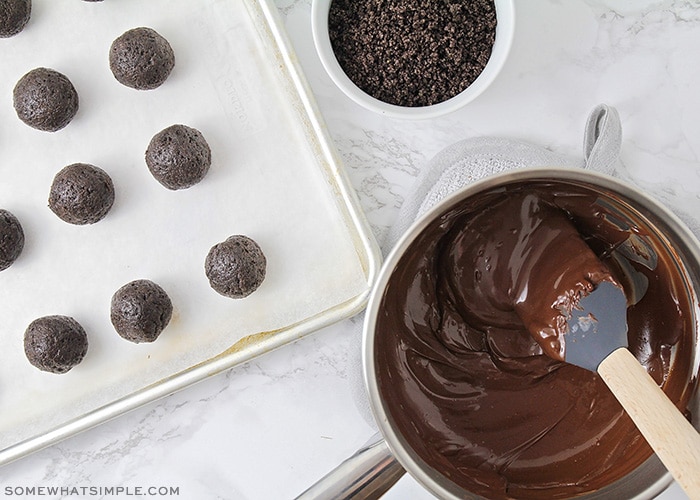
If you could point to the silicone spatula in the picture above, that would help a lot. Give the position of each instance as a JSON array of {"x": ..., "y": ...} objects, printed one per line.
[{"x": 597, "y": 341}]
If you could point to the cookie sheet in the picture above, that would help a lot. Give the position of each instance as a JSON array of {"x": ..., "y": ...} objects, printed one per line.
[{"x": 274, "y": 177}]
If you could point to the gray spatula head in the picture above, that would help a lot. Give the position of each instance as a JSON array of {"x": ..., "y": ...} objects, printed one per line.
[{"x": 598, "y": 327}]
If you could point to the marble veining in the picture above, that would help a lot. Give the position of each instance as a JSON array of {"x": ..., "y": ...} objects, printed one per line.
[{"x": 379, "y": 166}]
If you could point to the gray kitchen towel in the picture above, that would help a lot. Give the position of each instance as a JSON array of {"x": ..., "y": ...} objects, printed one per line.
[{"x": 472, "y": 159}]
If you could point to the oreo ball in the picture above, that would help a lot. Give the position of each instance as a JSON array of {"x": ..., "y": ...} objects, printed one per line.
[
  {"x": 55, "y": 344},
  {"x": 81, "y": 194},
  {"x": 140, "y": 311},
  {"x": 235, "y": 267},
  {"x": 45, "y": 99},
  {"x": 11, "y": 239},
  {"x": 14, "y": 16},
  {"x": 178, "y": 157},
  {"x": 141, "y": 59}
]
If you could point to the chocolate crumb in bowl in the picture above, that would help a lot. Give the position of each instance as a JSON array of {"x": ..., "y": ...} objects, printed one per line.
[
  {"x": 141, "y": 58},
  {"x": 55, "y": 344},
  {"x": 459, "y": 360},
  {"x": 45, "y": 99},
  {"x": 14, "y": 16},
  {"x": 11, "y": 239},
  {"x": 140, "y": 311},
  {"x": 412, "y": 52},
  {"x": 178, "y": 157},
  {"x": 235, "y": 267},
  {"x": 81, "y": 194}
]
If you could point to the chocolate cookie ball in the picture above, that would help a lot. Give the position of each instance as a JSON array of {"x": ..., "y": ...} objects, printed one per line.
[
  {"x": 140, "y": 310},
  {"x": 178, "y": 157},
  {"x": 11, "y": 239},
  {"x": 235, "y": 267},
  {"x": 45, "y": 99},
  {"x": 141, "y": 59},
  {"x": 81, "y": 194},
  {"x": 55, "y": 343},
  {"x": 14, "y": 16}
]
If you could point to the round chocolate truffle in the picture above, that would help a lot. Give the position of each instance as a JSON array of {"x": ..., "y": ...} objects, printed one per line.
[
  {"x": 55, "y": 343},
  {"x": 14, "y": 16},
  {"x": 140, "y": 310},
  {"x": 45, "y": 99},
  {"x": 141, "y": 59},
  {"x": 11, "y": 239},
  {"x": 178, "y": 157},
  {"x": 81, "y": 194},
  {"x": 235, "y": 267}
]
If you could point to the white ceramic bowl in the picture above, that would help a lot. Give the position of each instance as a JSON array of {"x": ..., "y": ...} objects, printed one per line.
[{"x": 505, "y": 14}]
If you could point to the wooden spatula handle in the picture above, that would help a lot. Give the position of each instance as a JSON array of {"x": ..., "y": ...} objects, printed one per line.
[{"x": 668, "y": 432}]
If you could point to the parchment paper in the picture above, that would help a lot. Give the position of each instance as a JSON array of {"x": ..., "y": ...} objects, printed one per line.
[{"x": 265, "y": 181}]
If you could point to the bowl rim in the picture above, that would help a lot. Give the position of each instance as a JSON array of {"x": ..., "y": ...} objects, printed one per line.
[
  {"x": 414, "y": 465},
  {"x": 505, "y": 30}
]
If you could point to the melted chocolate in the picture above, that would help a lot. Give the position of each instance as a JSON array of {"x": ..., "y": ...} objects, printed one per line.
[{"x": 473, "y": 309}]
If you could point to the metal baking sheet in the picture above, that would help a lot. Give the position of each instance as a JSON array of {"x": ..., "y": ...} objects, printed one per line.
[{"x": 274, "y": 177}]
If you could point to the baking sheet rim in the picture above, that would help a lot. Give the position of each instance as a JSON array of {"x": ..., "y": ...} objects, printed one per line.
[{"x": 266, "y": 342}]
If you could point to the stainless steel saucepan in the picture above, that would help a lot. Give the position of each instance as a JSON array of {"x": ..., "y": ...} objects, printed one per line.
[{"x": 378, "y": 465}]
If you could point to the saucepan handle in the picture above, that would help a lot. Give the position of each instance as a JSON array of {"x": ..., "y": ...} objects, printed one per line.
[{"x": 368, "y": 474}]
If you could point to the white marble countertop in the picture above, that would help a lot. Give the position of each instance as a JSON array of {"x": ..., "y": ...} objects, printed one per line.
[{"x": 272, "y": 427}]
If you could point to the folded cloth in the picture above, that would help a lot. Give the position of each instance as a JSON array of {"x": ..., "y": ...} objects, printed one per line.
[{"x": 472, "y": 159}]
